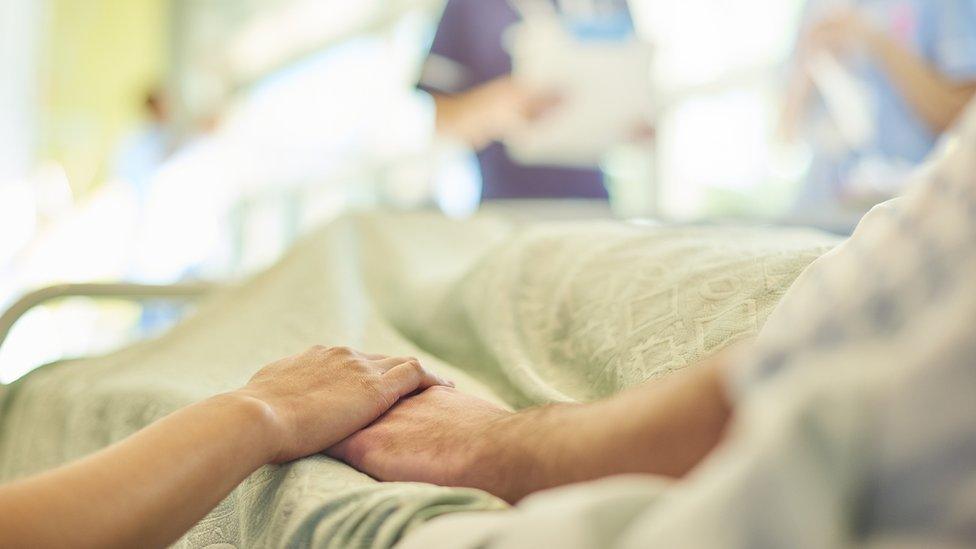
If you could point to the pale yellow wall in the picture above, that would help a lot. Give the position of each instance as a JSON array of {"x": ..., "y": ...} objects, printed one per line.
[{"x": 99, "y": 58}]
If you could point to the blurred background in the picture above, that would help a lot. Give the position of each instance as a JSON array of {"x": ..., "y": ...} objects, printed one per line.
[{"x": 158, "y": 141}]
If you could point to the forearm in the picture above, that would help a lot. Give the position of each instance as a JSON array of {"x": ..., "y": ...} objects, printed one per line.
[
  {"x": 937, "y": 99},
  {"x": 147, "y": 490},
  {"x": 796, "y": 99},
  {"x": 664, "y": 427},
  {"x": 446, "y": 109}
]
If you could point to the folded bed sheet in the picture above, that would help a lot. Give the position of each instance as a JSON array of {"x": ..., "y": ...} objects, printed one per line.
[{"x": 521, "y": 314}]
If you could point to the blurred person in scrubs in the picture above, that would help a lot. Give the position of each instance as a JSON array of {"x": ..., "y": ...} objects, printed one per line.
[
  {"x": 878, "y": 82},
  {"x": 468, "y": 73},
  {"x": 147, "y": 148},
  {"x": 139, "y": 158}
]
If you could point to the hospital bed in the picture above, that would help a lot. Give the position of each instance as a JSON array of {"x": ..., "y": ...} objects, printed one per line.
[
  {"x": 520, "y": 313},
  {"x": 289, "y": 206}
]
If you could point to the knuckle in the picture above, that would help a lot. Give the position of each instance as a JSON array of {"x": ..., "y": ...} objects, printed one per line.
[
  {"x": 341, "y": 351},
  {"x": 317, "y": 349}
]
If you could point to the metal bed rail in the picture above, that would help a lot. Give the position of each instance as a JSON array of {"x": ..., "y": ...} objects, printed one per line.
[{"x": 123, "y": 291}]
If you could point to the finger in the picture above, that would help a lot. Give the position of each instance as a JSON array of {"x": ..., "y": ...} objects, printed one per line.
[
  {"x": 410, "y": 377},
  {"x": 367, "y": 356},
  {"x": 388, "y": 363}
]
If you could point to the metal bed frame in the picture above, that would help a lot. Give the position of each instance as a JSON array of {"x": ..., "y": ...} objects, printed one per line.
[{"x": 122, "y": 291}]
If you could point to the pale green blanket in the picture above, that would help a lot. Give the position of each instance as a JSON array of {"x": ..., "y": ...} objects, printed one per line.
[{"x": 520, "y": 314}]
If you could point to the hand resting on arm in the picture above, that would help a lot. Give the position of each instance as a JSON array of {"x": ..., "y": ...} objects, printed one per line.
[
  {"x": 441, "y": 436},
  {"x": 149, "y": 489}
]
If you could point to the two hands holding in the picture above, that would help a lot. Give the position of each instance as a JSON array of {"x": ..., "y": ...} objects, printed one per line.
[
  {"x": 394, "y": 420},
  {"x": 387, "y": 416},
  {"x": 315, "y": 399}
]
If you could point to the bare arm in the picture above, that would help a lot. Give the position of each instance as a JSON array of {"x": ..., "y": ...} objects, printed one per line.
[
  {"x": 937, "y": 99},
  {"x": 664, "y": 427},
  {"x": 797, "y": 97},
  {"x": 136, "y": 492},
  {"x": 149, "y": 489},
  {"x": 444, "y": 437}
]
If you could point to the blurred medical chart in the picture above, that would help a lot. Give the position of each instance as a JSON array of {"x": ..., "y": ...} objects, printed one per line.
[{"x": 590, "y": 58}]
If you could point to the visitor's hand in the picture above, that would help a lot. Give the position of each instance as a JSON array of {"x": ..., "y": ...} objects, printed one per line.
[
  {"x": 440, "y": 436},
  {"x": 317, "y": 398},
  {"x": 491, "y": 111}
]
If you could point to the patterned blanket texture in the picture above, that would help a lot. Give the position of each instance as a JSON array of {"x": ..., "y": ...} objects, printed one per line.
[{"x": 521, "y": 314}]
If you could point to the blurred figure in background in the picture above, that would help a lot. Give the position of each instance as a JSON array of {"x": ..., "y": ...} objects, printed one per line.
[
  {"x": 468, "y": 73},
  {"x": 139, "y": 158},
  {"x": 148, "y": 147},
  {"x": 889, "y": 77}
]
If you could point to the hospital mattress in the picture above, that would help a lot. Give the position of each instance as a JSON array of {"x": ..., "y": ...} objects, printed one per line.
[{"x": 518, "y": 313}]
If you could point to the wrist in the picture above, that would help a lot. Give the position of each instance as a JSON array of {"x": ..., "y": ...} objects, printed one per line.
[
  {"x": 257, "y": 419},
  {"x": 501, "y": 459},
  {"x": 522, "y": 453}
]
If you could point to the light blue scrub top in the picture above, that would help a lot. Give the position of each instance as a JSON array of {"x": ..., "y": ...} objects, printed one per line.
[{"x": 941, "y": 31}]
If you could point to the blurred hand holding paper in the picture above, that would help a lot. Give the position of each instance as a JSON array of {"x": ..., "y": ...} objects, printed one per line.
[{"x": 603, "y": 86}]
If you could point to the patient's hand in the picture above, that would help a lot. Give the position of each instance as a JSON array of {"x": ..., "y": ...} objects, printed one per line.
[
  {"x": 438, "y": 436},
  {"x": 441, "y": 436},
  {"x": 319, "y": 397}
]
